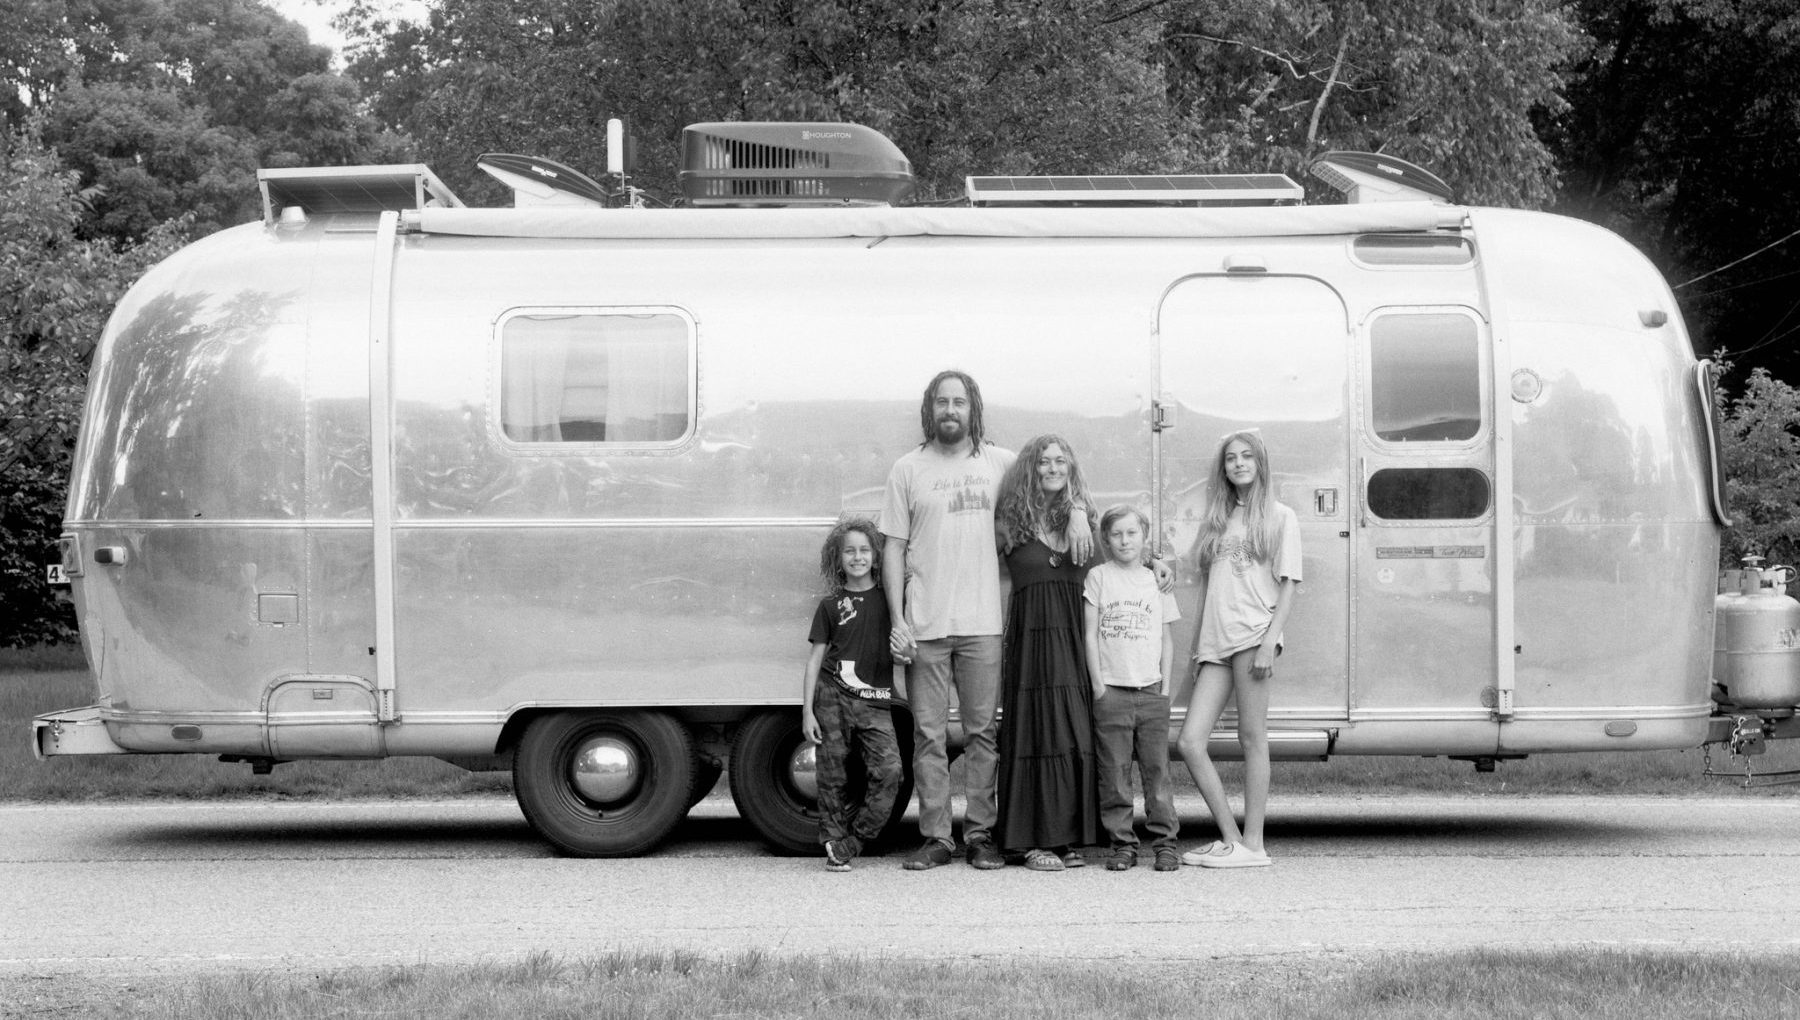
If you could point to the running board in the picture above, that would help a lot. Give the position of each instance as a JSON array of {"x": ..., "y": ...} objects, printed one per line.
[{"x": 1284, "y": 745}]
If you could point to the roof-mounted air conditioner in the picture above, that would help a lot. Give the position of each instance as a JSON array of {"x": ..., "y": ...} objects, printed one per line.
[{"x": 762, "y": 163}]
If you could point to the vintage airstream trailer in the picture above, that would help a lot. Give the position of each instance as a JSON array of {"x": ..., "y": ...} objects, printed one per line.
[{"x": 542, "y": 488}]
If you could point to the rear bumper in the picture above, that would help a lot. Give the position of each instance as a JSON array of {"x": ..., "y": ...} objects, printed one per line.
[{"x": 72, "y": 731}]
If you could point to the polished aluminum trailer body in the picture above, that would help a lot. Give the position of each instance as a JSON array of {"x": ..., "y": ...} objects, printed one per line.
[{"x": 327, "y": 542}]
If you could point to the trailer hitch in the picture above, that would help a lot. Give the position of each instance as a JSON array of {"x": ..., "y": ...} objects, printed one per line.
[{"x": 1748, "y": 738}]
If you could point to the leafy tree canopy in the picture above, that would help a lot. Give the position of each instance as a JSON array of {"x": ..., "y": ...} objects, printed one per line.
[
  {"x": 988, "y": 86},
  {"x": 167, "y": 107}
]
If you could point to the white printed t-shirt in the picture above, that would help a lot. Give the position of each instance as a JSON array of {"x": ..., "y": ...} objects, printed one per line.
[
  {"x": 943, "y": 506},
  {"x": 1241, "y": 592},
  {"x": 1132, "y": 616}
]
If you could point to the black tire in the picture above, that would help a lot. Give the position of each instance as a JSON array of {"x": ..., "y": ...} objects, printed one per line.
[
  {"x": 785, "y": 818},
  {"x": 706, "y": 776},
  {"x": 544, "y": 781}
]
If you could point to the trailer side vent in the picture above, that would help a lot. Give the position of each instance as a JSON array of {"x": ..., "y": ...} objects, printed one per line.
[{"x": 761, "y": 163}]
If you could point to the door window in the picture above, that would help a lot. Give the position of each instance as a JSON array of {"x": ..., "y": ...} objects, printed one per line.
[{"x": 1425, "y": 378}]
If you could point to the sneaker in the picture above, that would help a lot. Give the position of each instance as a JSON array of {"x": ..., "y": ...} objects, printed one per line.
[
  {"x": 1043, "y": 860},
  {"x": 926, "y": 857},
  {"x": 1167, "y": 859},
  {"x": 982, "y": 856},
  {"x": 1193, "y": 857},
  {"x": 840, "y": 852},
  {"x": 1073, "y": 859},
  {"x": 1237, "y": 855},
  {"x": 1122, "y": 859}
]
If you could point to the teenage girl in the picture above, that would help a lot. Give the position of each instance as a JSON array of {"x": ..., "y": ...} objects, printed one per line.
[{"x": 1249, "y": 553}]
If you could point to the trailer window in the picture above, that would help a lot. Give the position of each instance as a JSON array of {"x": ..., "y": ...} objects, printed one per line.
[
  {"x": 1428, "y": 494},
  {"x": 1425, "y": 378},
  {"x": 596, "y": 378}
]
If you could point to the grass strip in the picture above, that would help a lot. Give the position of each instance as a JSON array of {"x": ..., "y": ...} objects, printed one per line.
[{"x": 1584, "y": 983}]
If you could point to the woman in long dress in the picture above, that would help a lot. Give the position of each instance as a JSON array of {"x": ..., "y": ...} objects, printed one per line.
[{"x": 1048, "y": 794}]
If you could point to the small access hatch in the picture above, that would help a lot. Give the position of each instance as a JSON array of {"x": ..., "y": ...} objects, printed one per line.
[{"x": 1136, "y": 189}]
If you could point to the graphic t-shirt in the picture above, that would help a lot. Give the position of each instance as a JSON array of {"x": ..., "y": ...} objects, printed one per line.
[
  {"x": 1132, "y": 616},
  {"x": 1241, "y": 592},
  {"x": 943, "y": 506},
  {"x": 853, "y": 627}
]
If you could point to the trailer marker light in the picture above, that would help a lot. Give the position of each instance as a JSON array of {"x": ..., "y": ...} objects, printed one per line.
[
  {"x": 184, "y": 732},
  {"x": 1621, "y": 728}
]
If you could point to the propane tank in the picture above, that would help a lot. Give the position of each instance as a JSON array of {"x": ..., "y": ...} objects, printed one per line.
[{"x": 1756, "y": 638}]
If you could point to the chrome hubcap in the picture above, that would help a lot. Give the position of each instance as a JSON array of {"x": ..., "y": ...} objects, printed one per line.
[{"x": 605, "y": 770}]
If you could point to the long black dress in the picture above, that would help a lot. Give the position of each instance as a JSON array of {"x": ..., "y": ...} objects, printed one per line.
[{"x": 1047, "y": 782}]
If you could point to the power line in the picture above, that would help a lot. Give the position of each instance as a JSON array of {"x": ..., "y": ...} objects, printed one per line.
[
  {"x": 1746, "y": 258},
  {"x": 1747, "y": 283}
]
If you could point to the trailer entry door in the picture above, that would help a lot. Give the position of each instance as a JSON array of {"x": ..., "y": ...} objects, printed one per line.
[{"x": 1270, "y": 353}]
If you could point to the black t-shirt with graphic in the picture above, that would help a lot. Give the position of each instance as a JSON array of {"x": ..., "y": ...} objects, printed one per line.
[{"x": 853, "y": 626}]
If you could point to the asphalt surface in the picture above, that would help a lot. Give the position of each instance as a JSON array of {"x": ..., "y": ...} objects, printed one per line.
[{"x": 168, "y": 889}]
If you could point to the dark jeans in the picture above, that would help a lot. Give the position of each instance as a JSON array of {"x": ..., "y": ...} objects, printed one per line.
[
  {"x": 846, "y": 720},
  {"x": 1133, "y": 723}
]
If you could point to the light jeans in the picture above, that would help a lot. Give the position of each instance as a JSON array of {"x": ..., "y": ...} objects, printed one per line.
[{"x": 972, "y": 666}]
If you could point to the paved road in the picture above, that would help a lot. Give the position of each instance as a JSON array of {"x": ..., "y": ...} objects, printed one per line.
[{"x": 174, "y": 888}]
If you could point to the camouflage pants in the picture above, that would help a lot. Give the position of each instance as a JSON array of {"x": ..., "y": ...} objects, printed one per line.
[{"x": 846, "y": 721}]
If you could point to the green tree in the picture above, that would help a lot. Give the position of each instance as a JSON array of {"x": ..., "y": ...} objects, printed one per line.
[
  {"x": 167, "y": 107},
  {"x": 1761, "y": 440},
  {"x": 1449, "y": 84},
  {"x": 1681, "y": 135},
  {"x": 1001, "y": 85},
  {"x": 56, "y": 291}
]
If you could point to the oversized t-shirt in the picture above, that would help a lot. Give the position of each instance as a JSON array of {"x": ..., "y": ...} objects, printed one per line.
[
  {"x": 943, "y": 506},
  {"x": 1241, "y": 592},
  {"x": 1132, "y": 614},
  {"x": 853, "y": 627}
]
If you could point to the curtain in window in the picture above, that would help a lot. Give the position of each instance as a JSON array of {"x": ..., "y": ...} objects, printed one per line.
[
  {"x": 534, "y": 360},
  {"x": 647, "y": 378}
]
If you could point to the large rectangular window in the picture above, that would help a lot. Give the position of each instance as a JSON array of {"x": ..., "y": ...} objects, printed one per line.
[
  {"x": 597, "y": 376},
  {"x": 1425, "y": 378}
]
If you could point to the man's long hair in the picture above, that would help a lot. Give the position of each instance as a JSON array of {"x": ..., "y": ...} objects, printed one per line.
[{"x": 927, "y": 422}]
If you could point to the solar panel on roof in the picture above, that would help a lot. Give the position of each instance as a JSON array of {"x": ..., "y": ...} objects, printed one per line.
[
  {"x": 1162, "y": 189},
  {"x": 351, "y": 189}
]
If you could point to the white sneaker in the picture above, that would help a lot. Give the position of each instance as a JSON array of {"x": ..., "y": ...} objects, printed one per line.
[
  {"x": 1193, "y": 857},
  {"x": 1237, "y": 855}
]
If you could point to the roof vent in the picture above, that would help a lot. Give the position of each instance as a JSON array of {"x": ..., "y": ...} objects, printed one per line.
[
  {"x": 1371, "y": 177},
  {"x": 535, "y": 180},
  {"x": 1135, "y": 190},
  {"x": 760, "y": 163}
]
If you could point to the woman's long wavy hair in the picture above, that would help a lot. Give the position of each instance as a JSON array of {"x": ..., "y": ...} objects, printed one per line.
[
  {"x": 1025, "y": 509},
  {"x": 831, "y": 554},
  {"x": 928, "y": 423},
  {"x": 1262, "y": 531}
]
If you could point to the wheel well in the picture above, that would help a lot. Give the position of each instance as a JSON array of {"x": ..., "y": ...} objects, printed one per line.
[{"x": 709, "y": 725}]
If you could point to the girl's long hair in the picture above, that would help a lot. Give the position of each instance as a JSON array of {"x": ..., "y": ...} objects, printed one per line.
[
  {"x": 1025, "y": 509},
  {"x": 831, "y": 554},
  {"x": 1262, "y": 529}
]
